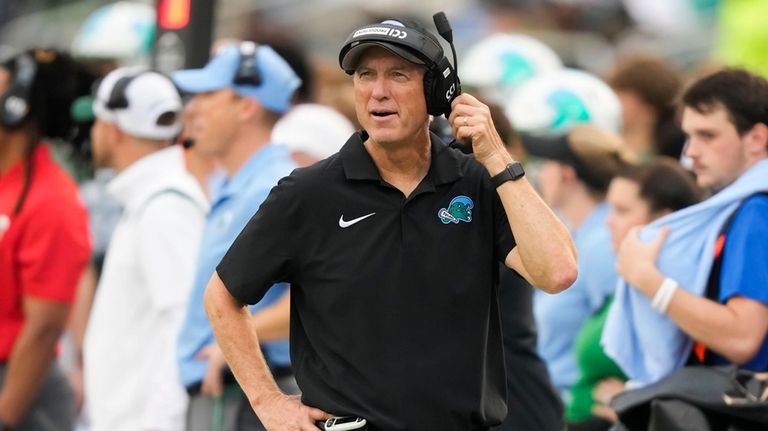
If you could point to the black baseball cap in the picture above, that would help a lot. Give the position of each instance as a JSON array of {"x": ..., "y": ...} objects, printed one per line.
[
  {"x": 595, "y": 154},
  {"x": 404, "y": 38}
]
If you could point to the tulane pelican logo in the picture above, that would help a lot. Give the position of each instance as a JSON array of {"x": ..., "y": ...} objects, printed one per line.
[
  {"x": 569, "y": 109},
  {"x": 460, "y": 209},
  {"x": 515, "y": 69}
]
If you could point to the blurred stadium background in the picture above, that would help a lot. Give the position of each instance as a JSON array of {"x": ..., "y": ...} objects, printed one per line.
[{"x": 586, "y": 34}]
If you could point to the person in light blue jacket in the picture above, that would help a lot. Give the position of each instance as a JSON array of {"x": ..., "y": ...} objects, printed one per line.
[
  {"x": 694, "y": 283},
  {"x": 573, "y": 181},
  {"x": 238, "y": 97}
]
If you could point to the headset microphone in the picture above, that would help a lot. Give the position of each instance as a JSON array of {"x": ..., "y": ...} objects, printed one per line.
[
  {"x": 446, "y": 32},
  {"x": 443, "y": 26}
]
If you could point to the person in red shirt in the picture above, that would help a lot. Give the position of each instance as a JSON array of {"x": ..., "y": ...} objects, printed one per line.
[{"x": 44, "y": 243}]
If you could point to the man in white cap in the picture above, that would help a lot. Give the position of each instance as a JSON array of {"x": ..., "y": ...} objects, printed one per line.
[
  {"x": 312, "y": 132},
  {"x": 129, "y": 351}
]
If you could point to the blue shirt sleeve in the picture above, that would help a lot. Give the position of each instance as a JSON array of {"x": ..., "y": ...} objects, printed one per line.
[
  {"x": 599, "y": 269},
  {"x": 745, "y": 260}
]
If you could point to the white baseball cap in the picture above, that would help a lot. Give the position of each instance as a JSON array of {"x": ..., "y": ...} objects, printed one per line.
[
  {"x": 124, "y": 31},
  {"x": 317, "y": 130},
  {"x": 502, "y": 62},
  {"x": 554, "y": 102},
  {"x": 135, "y": 100}
]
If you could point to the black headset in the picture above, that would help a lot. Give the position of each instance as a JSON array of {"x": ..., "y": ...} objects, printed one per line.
[
  {"x": 14, "y": 103},
  {"x": 247, "y": 73},
  {"x": 441, "y": 81},
  {"x": 117, "y": 97}
]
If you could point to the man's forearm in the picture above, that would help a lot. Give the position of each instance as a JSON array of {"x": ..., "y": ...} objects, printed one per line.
[
  {"x": 239, "y": 342},
  {"x": 543, "y": 242},
  {"x": 735, "y": 330},
  {"x": 81, "y": 309},
  {"x": 26, "y": 369},
  {"x": 545, "y": 254}
]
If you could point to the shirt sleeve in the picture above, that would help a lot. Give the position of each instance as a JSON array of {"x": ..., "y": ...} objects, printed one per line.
[
  {"x": 597, "y": 268},
  {"x": 170, "y": 229},
  {"x": 165, "y": 405},
  {"x": 54, "y": 250},
  {"x": 263, "y": 253},
  {"x": 744, "y": 270}
]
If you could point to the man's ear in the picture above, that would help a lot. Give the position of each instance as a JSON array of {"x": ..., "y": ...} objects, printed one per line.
[
  {"x": 114, "y": 134},
  {"x": 757, "y": 140},
  {"x": 568, "y": 173},
  {"x": 250, "y": 109}
]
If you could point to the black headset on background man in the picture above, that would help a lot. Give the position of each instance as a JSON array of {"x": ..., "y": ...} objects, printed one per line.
[
  {"x": 247, "y": 71},
  {"x": 14, "y": 103},
  {"x": 117, "y": 97},
  {"x": 441, "y": 81},
  {"x": 246, "y": 74}
]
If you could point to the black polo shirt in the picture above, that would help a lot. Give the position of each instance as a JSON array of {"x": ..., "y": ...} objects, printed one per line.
[
  {"x": 394, "y": 310},
  {"x": 532, "y": 401}
]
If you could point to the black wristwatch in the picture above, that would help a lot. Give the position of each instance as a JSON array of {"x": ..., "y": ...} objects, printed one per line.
[{"x": 513, "y": 172}]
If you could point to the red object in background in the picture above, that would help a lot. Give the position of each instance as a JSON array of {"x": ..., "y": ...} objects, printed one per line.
[{"x": 173, "y": 14}]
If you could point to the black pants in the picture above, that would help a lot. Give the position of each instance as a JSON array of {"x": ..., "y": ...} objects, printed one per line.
[
  {"x": 231, "y": 411},
  {"x": 591, "y": 424}
]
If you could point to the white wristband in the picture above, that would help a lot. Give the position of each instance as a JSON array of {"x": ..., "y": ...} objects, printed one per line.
[{"x": 663, "y": 296}]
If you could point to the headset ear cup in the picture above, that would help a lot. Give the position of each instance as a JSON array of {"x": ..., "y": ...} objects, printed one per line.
[
  {"x": 247, "y": 72},
  {"x": 448, "y": 87},
  {"x": 429, "y": 93},
  {"x": 14, "y": 103},
  {"x": 5, "y": 121},
  {"x": 118, "y": 99},
  {"x": 14, "y": 108},
  {"x": 440, "y": 88}
]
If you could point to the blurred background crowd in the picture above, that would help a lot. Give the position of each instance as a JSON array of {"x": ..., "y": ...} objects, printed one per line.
[{"x": 585, "y": 92}]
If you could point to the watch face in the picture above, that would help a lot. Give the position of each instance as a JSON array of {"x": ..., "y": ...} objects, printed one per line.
[
  {"x": 516, "y": 169},
  {"x": 512, "y": 172}
]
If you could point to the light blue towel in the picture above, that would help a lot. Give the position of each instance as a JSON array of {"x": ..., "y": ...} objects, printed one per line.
[{"x": 648, "y": 345}]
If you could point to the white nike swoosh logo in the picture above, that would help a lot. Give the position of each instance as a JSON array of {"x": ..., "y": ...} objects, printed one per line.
[{"x": 345, "y": 224}]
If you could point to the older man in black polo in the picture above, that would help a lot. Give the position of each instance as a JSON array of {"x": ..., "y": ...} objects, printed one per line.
[{"x": 391, "y": 247}]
